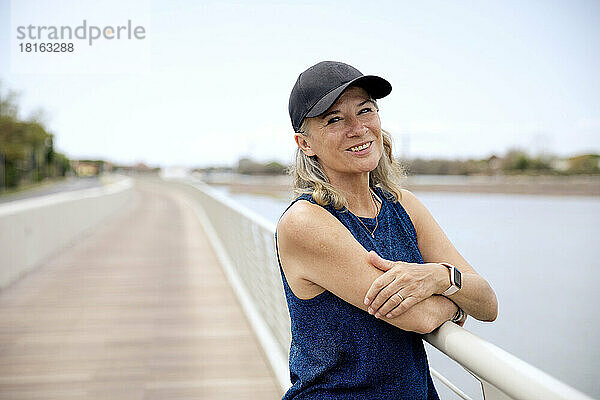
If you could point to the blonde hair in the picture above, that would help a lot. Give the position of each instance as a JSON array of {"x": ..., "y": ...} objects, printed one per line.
[{"x": 310, "y": 178}]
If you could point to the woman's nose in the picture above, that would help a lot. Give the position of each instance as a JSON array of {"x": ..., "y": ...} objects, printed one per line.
[{"x": 355, "y": 127}]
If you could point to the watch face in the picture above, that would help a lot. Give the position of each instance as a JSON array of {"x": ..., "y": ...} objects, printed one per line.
[{"x": 457, "y": 278}]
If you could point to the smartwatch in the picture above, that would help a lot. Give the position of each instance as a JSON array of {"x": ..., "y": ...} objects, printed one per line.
[{"x": 455, "y": 279}]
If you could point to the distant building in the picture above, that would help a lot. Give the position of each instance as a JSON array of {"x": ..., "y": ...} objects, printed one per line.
[
  {"x": 494, "y": 163},
  {"x": 138, "y": 168},
  {"x": 560, "y": 165},
  {"x": 90, "y": 167},
  {"x": 85, "y": 168}
]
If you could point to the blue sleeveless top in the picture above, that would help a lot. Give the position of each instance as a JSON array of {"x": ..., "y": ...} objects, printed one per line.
[{"x": 339, "y": 351}]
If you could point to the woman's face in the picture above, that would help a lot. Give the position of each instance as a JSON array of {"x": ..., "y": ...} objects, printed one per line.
[{"x": 347, "y": 138}]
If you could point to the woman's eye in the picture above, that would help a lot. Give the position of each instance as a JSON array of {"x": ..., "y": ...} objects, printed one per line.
[
  {"x": 333, "y": 120},
  {"x": 365, "y": 110}
]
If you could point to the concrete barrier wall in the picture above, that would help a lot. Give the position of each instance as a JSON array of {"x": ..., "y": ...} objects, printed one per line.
[{"x": 33, "y": 229}]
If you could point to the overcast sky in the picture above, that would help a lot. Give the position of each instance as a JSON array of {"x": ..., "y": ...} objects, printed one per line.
[{"x": 210, "y": 81}]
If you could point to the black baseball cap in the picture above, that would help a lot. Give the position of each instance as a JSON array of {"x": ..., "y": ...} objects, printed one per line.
[{"x": 321, "y": 85}]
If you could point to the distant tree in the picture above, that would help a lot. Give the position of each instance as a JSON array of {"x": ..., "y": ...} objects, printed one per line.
[
  {"x": 62, "y": 164},
  {"x": 515, "y": 160},
  {"x": 419, "y": 166},
  {"x": 518, "y": 161},
  {"x": 8, "y": 104},
  {"x": 584, "y": 164},
  {"x": 275, "y": 168},
  {"x": 26, "y": 148},
  {"x": 250, "y": 167}
]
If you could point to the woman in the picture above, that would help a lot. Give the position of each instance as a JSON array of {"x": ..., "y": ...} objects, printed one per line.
[{"x": 366, "y": 269}]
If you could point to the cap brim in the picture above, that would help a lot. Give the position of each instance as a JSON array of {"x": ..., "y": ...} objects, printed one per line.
[{"x": 374, "y": 85}]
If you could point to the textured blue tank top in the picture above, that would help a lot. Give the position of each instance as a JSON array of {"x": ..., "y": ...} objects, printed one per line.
[{"x": 339, "y": 351}]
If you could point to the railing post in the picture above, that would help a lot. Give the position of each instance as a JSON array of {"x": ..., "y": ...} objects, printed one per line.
[{"x": 490, "y": 392}]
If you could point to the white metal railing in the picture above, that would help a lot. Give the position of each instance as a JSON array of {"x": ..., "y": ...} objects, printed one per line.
[{"x": 244, "y": 242}]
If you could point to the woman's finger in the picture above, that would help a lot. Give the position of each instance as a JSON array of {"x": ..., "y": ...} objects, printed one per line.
[
  {"x": 377, "y": 285},
  {"x": 393, "y": 302},
  {"x": 402, "y": 307},
  {"x": 384, "y": 294}
]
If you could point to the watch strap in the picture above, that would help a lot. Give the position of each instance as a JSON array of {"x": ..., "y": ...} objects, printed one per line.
[
  {"x": 453, "y": 287},
  {"x": 450, "y": 291}
]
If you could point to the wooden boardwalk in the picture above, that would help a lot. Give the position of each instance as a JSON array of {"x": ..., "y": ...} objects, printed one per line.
[{"x": 137, "y": 309}]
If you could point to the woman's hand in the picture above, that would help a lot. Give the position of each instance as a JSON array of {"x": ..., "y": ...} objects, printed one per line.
[{"x": 403, "y": 285}]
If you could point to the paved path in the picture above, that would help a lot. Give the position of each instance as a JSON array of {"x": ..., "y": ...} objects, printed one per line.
[{"x": 138, "y": 309}]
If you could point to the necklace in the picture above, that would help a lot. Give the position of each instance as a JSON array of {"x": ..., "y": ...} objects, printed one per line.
[{"x": 376, "y": 212}]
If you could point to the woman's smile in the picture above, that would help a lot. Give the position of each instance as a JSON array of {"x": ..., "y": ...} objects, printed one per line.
[{"x": 360, "y": 149}]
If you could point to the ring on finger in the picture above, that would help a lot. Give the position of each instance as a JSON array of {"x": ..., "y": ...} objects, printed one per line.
[{"x": 401, "y": 297}]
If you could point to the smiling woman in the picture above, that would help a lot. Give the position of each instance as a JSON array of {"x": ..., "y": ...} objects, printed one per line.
[
  {"x": 343, "y": 156},
  {"x": 365, "y": 267},
  {"x": 309, "y": 174}
]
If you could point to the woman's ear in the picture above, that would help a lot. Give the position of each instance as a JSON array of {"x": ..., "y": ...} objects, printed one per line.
[{"x": 303, "y": 144}]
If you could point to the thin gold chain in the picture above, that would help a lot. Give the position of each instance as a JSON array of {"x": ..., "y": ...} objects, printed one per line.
[{"x": 376, "y": 213}]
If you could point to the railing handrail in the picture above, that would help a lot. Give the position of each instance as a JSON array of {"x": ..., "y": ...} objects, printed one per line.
[
  {"x": 12, "y": 207},
  {"x": 235, "y": 206},
  {"x": 503, "y": 375},
  {"x": 504, "y": 371}
]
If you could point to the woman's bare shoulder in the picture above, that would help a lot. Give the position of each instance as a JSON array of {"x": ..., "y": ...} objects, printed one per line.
[
  {"x": 407, "y": 197},
  {"x": 302, "y": 218},
  {"x": 413, "y": 206},
  {"x": 299, "y": 235},
  {"x": 308, "y": 232}
]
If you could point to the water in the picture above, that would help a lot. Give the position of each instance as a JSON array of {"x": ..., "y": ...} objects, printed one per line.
[{"x": 541, "y": 255}]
